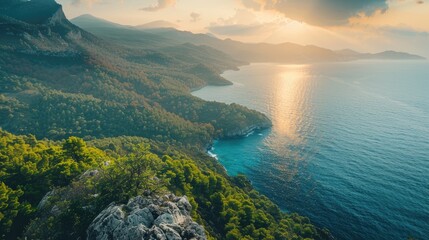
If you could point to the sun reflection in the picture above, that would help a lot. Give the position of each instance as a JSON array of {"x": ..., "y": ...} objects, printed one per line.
[
  {"x": 289, "y": 106},
  {"x": 288, "y": 101}
]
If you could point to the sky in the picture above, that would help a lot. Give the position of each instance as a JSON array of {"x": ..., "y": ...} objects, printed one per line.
[{"x": 362, "y": 25}]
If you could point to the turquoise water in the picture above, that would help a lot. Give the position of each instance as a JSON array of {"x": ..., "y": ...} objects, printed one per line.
[{"x": 349, "y": 147}]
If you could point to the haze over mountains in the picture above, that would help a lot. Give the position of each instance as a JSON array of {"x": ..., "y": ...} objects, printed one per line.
[
  {"x": 127, "y": 92},
  {"x": 157, "y": 24},
  {"x": 60, "y": 82},
  {"x": 56, "y": 69},
  {"x": 251, "y": 52}
]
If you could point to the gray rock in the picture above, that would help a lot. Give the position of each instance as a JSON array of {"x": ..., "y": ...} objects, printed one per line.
[
  {"x": 140, "y": 216},
  {"x": 165, "y": 218},
  {"x": 170, "y": 233},
  {"x": 137, "y": 232},
  {"x": 162, "y": 218},
  {"x": 184, "y": 204},
  {"x": 45, "y": 199},
  {"x": 89, "y": 173}
]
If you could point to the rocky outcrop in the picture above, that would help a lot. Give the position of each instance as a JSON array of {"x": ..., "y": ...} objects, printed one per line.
[
  {"x": 165, "y": 217},
  {"x": 39, "y": 27},
  {"x": 34, "y": 11},
  {"x": 244, "y": 132}
]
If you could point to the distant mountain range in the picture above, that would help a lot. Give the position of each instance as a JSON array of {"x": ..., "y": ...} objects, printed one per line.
[
  {"x": 119, "y": 83},
  {"x": 157, "y": 24},
  {"x": 166, "y": 35}
]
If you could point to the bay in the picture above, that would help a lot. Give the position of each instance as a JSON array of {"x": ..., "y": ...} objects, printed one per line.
[{"x": 349, "y": 146}]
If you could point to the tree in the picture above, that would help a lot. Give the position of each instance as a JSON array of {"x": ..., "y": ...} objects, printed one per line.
[
  {"x": 75, "y": 148},
  {"x": 131, "y": 176},
  {"x": 9, "y": 207}
]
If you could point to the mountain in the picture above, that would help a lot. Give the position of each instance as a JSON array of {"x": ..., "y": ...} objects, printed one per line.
[
  {"x": 283, "y": 52},
  {"x": 33, "y": 12},
  {"x": 146, "y": 135},
  {"x": 93, "y": 22},
  {"x": 394, "y": 56},
  {"x": 347, "y": 52},
  {"x": 157, "y": 24},
  {"x": 249, "y": 52},
  {"x": 59, "y": 80},
  {"x": 120, "y": 33}
]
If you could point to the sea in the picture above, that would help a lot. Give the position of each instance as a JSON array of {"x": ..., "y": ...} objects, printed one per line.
[{"x": 349, "y": 146}]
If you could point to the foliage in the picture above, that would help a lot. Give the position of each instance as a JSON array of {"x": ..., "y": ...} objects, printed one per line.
[
  {"x": 10, "y": 207},
  {"x": 233, "y": 213},
  {"x": 101, "y": 90},
  {"x": 130, "y": 176},
  {"x": 63, "y": 83},
  {"x": 229, "y": 209},
  {"x": 30, "y": 168}
]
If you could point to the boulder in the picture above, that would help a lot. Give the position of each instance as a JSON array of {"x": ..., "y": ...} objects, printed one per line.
[{"x": 166, "y": 217}]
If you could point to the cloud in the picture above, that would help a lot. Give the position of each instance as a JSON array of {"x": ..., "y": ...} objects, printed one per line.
[
  {"x": 252, "y": 4},
  {"x": 241, "y": 17},
  {"x": 195, "y": 17},
  {"x": 320, "y": 12},
  {"x": 241, "y": 30},
  {"x": 161, "y": 4},
  {"x": 243, "y": 26}
]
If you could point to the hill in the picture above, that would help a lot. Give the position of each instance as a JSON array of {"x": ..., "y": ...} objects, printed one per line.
[
  {"x": 146, "y": 135},
  {"x": 249, "y": 52},
  {"x": 59, "y": 80},
  {"x": 67, "y": 184},
  {"x": 90, "y": 21},
  {"x": 157, "y": 24}
]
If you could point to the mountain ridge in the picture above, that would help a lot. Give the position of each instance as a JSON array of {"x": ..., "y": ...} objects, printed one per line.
[
  {"x": 57, "y": 64},
  {"x": 157, "y": 24},
  {"x": 286, "y": 52},
  {"x": 33, "y": 12}
]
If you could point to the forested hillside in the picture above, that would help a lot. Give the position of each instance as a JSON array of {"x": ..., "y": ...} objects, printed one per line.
[
  {"x": 125, "y": 167},
  {"x": 58, "y": 80},
  {"x": 145, "y": 134}
]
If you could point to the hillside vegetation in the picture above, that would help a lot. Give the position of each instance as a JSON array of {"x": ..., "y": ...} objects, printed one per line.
[
  {"x": 228, "y": 208},
  {"x": 117, "y": 122},
  {"x": 58, "y": 81}
]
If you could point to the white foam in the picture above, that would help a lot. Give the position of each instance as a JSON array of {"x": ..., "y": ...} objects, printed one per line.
[{"x": 212, "y": 155}]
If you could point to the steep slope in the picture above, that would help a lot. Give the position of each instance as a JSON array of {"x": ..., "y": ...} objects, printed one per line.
[
  {"x": 33, "y": 12},
  {"x": 58, "y": 80},
  {"x": 37, "y": 26},
  {"x": 119, "y": 33},
  {"x": 102, "y": 190}
]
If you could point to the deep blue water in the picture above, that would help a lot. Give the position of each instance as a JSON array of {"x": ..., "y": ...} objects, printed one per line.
[{"x": 349, "y": 147}]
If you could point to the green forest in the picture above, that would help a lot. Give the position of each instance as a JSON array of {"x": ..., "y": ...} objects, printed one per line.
[
  {"x": 126, "y": 167},
  {"x": 85, "y": 122}
]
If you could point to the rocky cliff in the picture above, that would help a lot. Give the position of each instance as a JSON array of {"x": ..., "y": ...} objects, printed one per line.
[
  {"x": 166, "y": 217},
  {"x": 39, "y": 27},
  {"x": 33, "y": 11}
]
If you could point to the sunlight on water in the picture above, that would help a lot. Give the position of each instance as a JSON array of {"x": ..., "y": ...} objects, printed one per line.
[
  {"x": 349, "y": 147},
  {"x": 287, "y": 107},
  {"x": 287, "y": 101}
]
